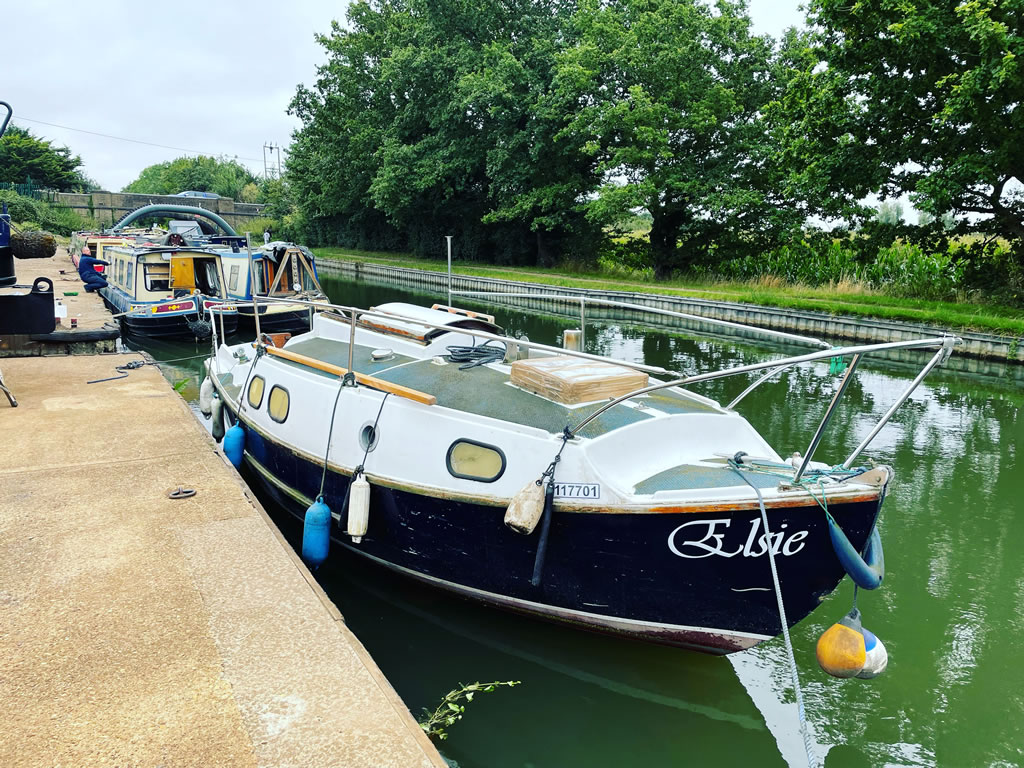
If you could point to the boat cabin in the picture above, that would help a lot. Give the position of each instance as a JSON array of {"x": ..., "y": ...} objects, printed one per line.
[{"x": 158, "y": 274}]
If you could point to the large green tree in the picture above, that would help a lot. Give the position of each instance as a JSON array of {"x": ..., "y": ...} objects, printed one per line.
[
  {"x": 24, "y": 157},
  {"x": 332, "y": 159},
  {"x": 434, "y": 118},
  {"x": 921, "y": 98},
  {"x": 538, "y": 173},
  {"x": 221, "y": 176},
  {"x": 669, "y": 100}
]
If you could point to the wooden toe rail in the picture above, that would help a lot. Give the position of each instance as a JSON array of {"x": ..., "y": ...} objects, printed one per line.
[{"x": 369, "y": 381}]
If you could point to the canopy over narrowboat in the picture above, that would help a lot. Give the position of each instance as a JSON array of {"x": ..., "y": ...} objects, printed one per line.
[
  {"x": 552, "y": 482},
  {"x": 279, "y": 270}
]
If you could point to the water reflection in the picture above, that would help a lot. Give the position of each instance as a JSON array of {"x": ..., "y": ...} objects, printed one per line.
[
  {"x": 948, "y": 611},
  {"x": 585, "y": 699}
]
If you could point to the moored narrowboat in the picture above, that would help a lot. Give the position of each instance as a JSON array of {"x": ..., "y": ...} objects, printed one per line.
[
  {"x": 284, "y": 272},
  {"x": 168, "y": 291}
]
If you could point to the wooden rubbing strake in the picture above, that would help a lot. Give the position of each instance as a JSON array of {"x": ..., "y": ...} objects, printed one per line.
[
  {"x": 362, "y": 378},
  {"x": 571, "y": 380}
]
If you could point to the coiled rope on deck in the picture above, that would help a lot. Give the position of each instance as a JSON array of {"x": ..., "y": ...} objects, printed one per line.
[
  {"x": 812, "y": 760},
  {"x": 474, "y": 356}
]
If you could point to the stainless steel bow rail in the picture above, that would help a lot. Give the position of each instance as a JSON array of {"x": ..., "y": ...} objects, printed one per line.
[{"x": 942, "y": 344}]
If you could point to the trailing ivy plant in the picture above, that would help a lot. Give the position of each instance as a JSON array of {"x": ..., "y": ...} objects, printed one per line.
[{"x": 450, "y": 710}]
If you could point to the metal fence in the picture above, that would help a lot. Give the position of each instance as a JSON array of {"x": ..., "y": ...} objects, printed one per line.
[{"x": 28, "y": 189}]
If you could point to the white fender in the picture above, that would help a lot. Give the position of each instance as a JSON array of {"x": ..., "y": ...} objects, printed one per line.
[
  {"x": 525, "y": 509},
  {"x": 358, "y": 508}
]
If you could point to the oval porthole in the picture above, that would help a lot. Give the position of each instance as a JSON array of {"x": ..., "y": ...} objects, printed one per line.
[
  {"x": 471, "y": 460},
  {"x": 277, "y": 404},
  {"x": 256, "y": 387},
  {"x": 368, "y": 436}
]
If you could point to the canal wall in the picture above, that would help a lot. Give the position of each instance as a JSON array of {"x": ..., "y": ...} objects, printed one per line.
[
  {"x": 108, "y": 207},
  {"x": 983, "y": 349},
  {"x": 141, "y": 630}
]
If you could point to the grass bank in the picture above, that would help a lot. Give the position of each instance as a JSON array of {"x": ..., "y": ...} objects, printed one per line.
[{"x": 838, "y": 299}]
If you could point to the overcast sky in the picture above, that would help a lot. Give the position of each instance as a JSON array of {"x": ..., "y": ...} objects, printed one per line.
[{"x": 211, "y": 77}]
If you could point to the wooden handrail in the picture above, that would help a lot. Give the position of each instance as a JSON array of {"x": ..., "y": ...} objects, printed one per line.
[{"x": 369, "y": 381}]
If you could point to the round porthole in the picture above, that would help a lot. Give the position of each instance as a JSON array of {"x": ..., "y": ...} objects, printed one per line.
[{"x": 368, "y": 436}]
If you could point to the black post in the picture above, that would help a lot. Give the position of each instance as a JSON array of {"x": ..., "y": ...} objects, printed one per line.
[{"x": 545, "y": 529}]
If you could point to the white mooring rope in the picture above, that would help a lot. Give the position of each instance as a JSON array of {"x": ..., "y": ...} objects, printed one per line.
[{"x": 812, "y": 760}]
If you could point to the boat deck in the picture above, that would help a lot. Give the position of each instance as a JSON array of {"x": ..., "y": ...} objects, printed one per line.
[
  {"x": 693, "y": 477},
  {"x": 487, "y": 391}
]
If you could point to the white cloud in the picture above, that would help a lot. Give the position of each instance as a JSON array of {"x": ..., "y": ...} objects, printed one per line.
[{"x": 206, "y": 76}]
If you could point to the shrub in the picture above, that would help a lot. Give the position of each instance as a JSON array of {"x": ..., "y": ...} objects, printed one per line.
[
  {"x": 905, "y": 270},
  {"x": 63, "y": 221},
  {"x": 20, "y": 208},
  {"x": 57, "y": 219},
  {"x": 933, "y": 267},
  {"x": 806, "y": 261},
  {"x": 989, "y": 266}
]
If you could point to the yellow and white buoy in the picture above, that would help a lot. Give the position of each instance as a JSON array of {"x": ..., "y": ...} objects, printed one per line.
[{"x": 841, "y": 648}]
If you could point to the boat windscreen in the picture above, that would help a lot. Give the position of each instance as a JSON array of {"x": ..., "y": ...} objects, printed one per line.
[{"x": 207, "y": 279}]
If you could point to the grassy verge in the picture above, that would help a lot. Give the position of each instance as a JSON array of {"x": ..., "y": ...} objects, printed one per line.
[{"x": 1007, "y": 321}]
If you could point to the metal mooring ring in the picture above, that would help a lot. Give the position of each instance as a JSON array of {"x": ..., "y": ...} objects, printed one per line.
[{"x": 181, "y": 493}]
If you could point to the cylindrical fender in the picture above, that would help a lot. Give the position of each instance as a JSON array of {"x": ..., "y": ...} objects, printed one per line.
[{"x": 868, "y": 571}]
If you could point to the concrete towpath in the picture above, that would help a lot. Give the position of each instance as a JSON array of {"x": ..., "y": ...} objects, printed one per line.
[{"x": 137, "y": 630}]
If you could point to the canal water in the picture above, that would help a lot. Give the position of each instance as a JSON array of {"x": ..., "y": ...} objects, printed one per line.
[{"x": 949, "y": 611}]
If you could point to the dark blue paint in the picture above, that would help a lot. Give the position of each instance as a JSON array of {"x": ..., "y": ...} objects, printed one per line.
[{"x": 610, "y": 564}]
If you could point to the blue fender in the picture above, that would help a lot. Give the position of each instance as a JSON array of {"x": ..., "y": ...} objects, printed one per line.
[
  {"x": 234, "y": 445},
  {"x": 316, "y": 533},
  {"x": 868, "y": 571}
]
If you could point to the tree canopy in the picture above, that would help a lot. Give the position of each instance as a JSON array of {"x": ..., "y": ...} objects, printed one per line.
[
  {"x": 439, "y": 118},
  {"x": 535, "y": 129},
  {"x": 921, "y": 98},
  {"x": 669, "y": 99},
  {"x": 221, "y": 176},
  {"x": 24, "y": 158},
  {"x": 529, "y": 127}
]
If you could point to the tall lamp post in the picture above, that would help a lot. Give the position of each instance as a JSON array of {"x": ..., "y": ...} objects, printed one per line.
[{"x": 449, "y": 239}]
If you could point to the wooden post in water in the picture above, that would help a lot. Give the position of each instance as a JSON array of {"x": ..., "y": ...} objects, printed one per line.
[{"x": 573, "y": 339}]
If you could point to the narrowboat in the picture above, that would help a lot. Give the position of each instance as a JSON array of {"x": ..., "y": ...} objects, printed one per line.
[
  {"x": 550, "y": 482},
  {"x": 284, "y": 272},
  {"x": 168, "y": 291}
]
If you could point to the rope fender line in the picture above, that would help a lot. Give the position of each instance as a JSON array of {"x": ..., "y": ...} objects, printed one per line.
[
  {"x": 867, "y": 567},
  {"x": 812, "y": 760},
  {"x": 345, "y": 381},
  {"x": 548, "y": 510}
]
